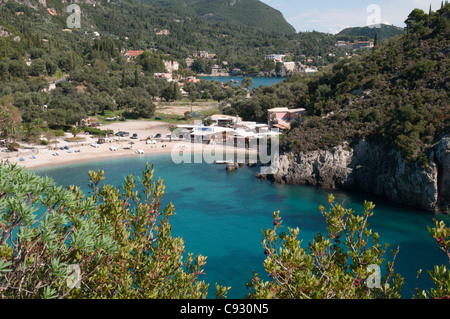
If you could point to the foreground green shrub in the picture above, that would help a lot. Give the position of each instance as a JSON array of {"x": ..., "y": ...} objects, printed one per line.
[
  {"x": 440, "y": 275},
  {"x": 61, "y": 243},
  {"x": 44, "y": 228},
  {"x": 339, "y": 265}
]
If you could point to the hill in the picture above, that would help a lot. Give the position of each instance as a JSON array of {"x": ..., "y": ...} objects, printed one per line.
[
  {"x": 384, "y": 32},
  {"x": 379, "y": 122},
  {"x": 137, "y": 25},
  {"x": 396, "y": 93},
  {"x": 252, "y": 13}
]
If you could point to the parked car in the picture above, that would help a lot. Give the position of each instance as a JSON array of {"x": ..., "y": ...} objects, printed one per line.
[
  {"x": 158, "y": 135},
  {"x": 122, "y": 133},
  {"x": 135, "y": 136}
]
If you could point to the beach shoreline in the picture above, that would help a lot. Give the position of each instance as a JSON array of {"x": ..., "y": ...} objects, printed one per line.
[
  {"x": 35, "y": 156},
  {"x": 42, "y": 156}
]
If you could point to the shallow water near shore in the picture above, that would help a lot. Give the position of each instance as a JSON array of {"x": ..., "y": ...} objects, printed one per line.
[{"x": 221, "y": 215}]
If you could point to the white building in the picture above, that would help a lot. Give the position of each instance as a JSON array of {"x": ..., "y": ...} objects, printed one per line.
[
  {"x": 275, "y": 57},
  {"x": 224, "y": 120}
]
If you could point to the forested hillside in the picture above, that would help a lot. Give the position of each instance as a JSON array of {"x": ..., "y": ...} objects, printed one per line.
[
  {"x": 383, "y": 32},
  {"x": 244, "y": 12},
  {"x": 397, "y": 94},
  {"x": 93, "y": 76}
]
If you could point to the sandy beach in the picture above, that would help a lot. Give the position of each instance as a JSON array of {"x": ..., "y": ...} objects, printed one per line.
[{"x": 38, "y": 156}]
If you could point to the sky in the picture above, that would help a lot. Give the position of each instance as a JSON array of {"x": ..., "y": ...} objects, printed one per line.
[{"x": 332, "y": 16}]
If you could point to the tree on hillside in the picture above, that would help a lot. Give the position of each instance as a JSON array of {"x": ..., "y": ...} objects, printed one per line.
[
  {"x": 10, "y": 120},
  {"x": 415, "y": 18},
  {"x": 38, "y": 68},
  {"x": 144, "y": 107},
  {"x": 375, "y": 39},
  {"x": 247, "y": 82}
]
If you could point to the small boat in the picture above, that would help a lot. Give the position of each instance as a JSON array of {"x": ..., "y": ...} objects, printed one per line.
[{"x": 224, "y": 162}]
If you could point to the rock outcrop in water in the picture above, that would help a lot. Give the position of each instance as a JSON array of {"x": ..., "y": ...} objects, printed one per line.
[{"x": 370, "y": 168}]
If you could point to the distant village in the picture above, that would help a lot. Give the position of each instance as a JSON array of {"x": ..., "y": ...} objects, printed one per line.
[
  {"x": 222, "y": 68},
  {"x": 234, "y": 126}
]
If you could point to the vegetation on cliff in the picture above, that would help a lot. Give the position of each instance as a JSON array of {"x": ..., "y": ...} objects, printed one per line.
[
  {"x": 252, "y": 13},
  {"x": 384, "y": 31},
  {"x": 396, "y": 94}
]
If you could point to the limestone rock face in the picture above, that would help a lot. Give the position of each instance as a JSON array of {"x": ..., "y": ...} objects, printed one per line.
[
  {"x": 328, "y": 169},
  {"x": 370, "y": 168},
  {"x": 442, "y": 158}
]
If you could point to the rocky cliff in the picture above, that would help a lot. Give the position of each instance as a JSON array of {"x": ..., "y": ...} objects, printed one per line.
[{"x": 370, "y": 168}]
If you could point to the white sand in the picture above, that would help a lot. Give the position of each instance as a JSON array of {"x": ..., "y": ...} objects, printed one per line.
[{"x": 44, "y": 155}]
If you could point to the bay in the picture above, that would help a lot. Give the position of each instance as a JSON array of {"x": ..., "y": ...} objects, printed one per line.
[
  {"x": 257, "y": 81},
  {"x": 222, "y": 215}
]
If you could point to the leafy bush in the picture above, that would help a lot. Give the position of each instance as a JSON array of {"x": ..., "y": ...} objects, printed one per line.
[
  {"x": 118, "y": 241},
  {"x": 97, "y": 131},
  {"x": 440, "y": 275},
  {"x": 336, "y": 266}
]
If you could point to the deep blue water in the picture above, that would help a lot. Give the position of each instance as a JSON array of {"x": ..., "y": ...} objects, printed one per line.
[
  {"x": 222, "y": 215},
  {"x": 256, "y": 81}
]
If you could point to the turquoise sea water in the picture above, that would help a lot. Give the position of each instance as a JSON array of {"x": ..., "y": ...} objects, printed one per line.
[
  {"x": 256, "y": 81},
  {"x": 222, "y": 215}
]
